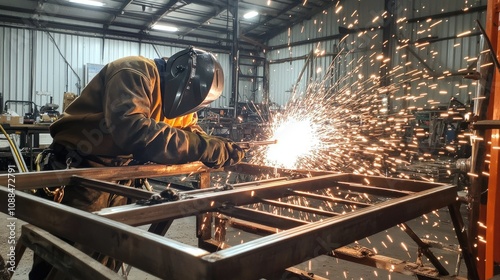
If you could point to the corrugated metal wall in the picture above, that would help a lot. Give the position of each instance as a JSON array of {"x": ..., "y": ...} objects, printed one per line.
[
  {"x": 445, "y": 56},
  {"x": 444, "y": 60},
  {"x": 15, "y": 64},
  {"x": 37, "y": 66},
  {"x": 340, "y": 61}
]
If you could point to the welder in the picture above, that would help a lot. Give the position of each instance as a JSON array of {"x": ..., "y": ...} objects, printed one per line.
[{"x": 134, "y": 111}]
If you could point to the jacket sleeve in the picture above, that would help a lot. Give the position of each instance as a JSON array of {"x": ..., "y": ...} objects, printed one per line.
[{"x": 127, "y": 115}]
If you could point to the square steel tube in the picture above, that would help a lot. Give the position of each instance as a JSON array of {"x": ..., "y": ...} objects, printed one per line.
[
  {"x": 269, "y": 254},
  {"x": 149, "y": 252},
  {"x": 54, "y": 178},
  {"x": 168, "y": 258}
]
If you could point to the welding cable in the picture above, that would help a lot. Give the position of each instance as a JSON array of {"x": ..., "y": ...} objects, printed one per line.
[{"x": 21, "y": 165}]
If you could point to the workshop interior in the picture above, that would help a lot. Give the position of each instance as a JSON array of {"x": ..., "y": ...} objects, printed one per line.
[{"x": 371, "y": 131}]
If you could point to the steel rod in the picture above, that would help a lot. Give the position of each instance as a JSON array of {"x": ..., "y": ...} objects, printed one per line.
[
  {"x": 425, "y": 248},
  {"x": 53, "y": 178},
  {"x": 464, "y": 241},
  {"x": 252, "y": 227},
  {"x": 260, "y": 170},
  {"x": 299, "y": 208},
  {"x": 374, "y": 190},
  {"x": 232, "y": 186},
  {"x": 391, "y": 183},
  {"x": 113, "y": 188},
  {"x": 264, "y": 218},
  {"x": 329, "y": 198}
]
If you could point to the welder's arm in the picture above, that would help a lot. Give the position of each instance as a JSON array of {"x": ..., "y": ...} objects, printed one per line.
[
  {"x": 220, "y": 151},
  {"x": 127, "y": 114},
  {"x": 195, "y": 128}
]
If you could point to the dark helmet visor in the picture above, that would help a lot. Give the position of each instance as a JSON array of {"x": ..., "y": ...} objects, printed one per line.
[{"x": 194, "y": 79}]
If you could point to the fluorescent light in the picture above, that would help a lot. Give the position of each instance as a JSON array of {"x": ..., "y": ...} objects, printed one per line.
[
  {"x": 88, "y": 2},
  {"x": 250, "y": 14},
  {"x": 168, "y": 28}
]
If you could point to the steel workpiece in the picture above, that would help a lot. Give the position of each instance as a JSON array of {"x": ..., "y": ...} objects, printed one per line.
[{"x": 112, "y": 231}]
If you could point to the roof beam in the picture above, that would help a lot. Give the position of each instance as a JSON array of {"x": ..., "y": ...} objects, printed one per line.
[
  {"x": 304, "y": 16},
  {"x": 121, "y": 11},
  {"x": 161, "y": 13}
]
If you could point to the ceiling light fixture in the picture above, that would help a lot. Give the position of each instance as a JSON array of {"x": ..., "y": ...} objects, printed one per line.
[
  {"x": 168, "y": 28},
  {"x": 250, "y": 14},
  {"x": 88, "y": 2}
]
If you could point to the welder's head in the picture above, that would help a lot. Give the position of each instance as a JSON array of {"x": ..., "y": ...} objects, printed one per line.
[{"x": 193, "y": 80}]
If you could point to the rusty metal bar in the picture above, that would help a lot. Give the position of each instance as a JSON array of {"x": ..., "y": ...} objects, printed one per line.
[
  {"x": 329, "y": 198},
  {"x": 109, "y": 187},
  {"x": 259, "y": 170},
  {"x": 232, "y": 186},
  {"x": 53, "y": 178},
  {"x": 257, "y": 183},
  {"x": 162, "y": 257},
  {"x": 263, "y": 218},
  {"x": 374, "y": 190},
  {"x": 253, "y": 227},
  {"x": 464, "y": 241},
  {"x": 404, "y": 185},
  {"x": 299, "y": 208},
  {"x": 424, "y": 248},
  {"x": 311, "y": 240},
  {"x": 384, "y": 182},
  {"x": 486, "y": 124},
  {"x": 204, "y": 220}
]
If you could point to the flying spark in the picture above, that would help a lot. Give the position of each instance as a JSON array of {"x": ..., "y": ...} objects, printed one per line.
[{"x": 338, "y": 126}]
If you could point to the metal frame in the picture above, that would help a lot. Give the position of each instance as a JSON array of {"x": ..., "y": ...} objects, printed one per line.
[{"x": 113, "y": 232}]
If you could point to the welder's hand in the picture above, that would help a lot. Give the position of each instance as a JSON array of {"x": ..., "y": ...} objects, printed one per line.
[{"x": 219, "y": 152}]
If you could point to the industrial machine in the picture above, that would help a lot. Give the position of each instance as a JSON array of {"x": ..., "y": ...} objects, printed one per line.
[
  {"x": 49, "y": 112},
  {"x": 438, "y": 132}
]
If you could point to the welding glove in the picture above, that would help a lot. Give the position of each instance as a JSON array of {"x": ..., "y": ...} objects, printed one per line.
[{"x": 219, "y": 152}]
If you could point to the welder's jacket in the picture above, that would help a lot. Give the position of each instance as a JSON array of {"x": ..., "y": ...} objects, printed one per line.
[{"x": 119, "y": 114}]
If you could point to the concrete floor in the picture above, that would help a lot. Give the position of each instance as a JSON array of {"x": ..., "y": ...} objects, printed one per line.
[{"x": 392, "y": 243}]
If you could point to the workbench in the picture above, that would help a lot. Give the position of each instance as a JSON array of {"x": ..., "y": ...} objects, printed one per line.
[{"x": 29, "y": 143}]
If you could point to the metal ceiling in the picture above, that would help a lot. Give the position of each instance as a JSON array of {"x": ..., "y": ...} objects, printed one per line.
[{"x": 202, "y": 22}]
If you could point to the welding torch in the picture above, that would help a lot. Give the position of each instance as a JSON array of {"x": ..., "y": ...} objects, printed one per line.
[{"x": 250, "y": 144}]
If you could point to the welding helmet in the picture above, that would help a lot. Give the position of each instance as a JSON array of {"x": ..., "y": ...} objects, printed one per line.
[{"x": 193, "y": 80}]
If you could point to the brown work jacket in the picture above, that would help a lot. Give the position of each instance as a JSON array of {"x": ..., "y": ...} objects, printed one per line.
[{"x": 119, "y": 114}]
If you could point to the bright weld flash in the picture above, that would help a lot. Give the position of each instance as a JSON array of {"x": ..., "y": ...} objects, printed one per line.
[{"x": 295, "y": 139}]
